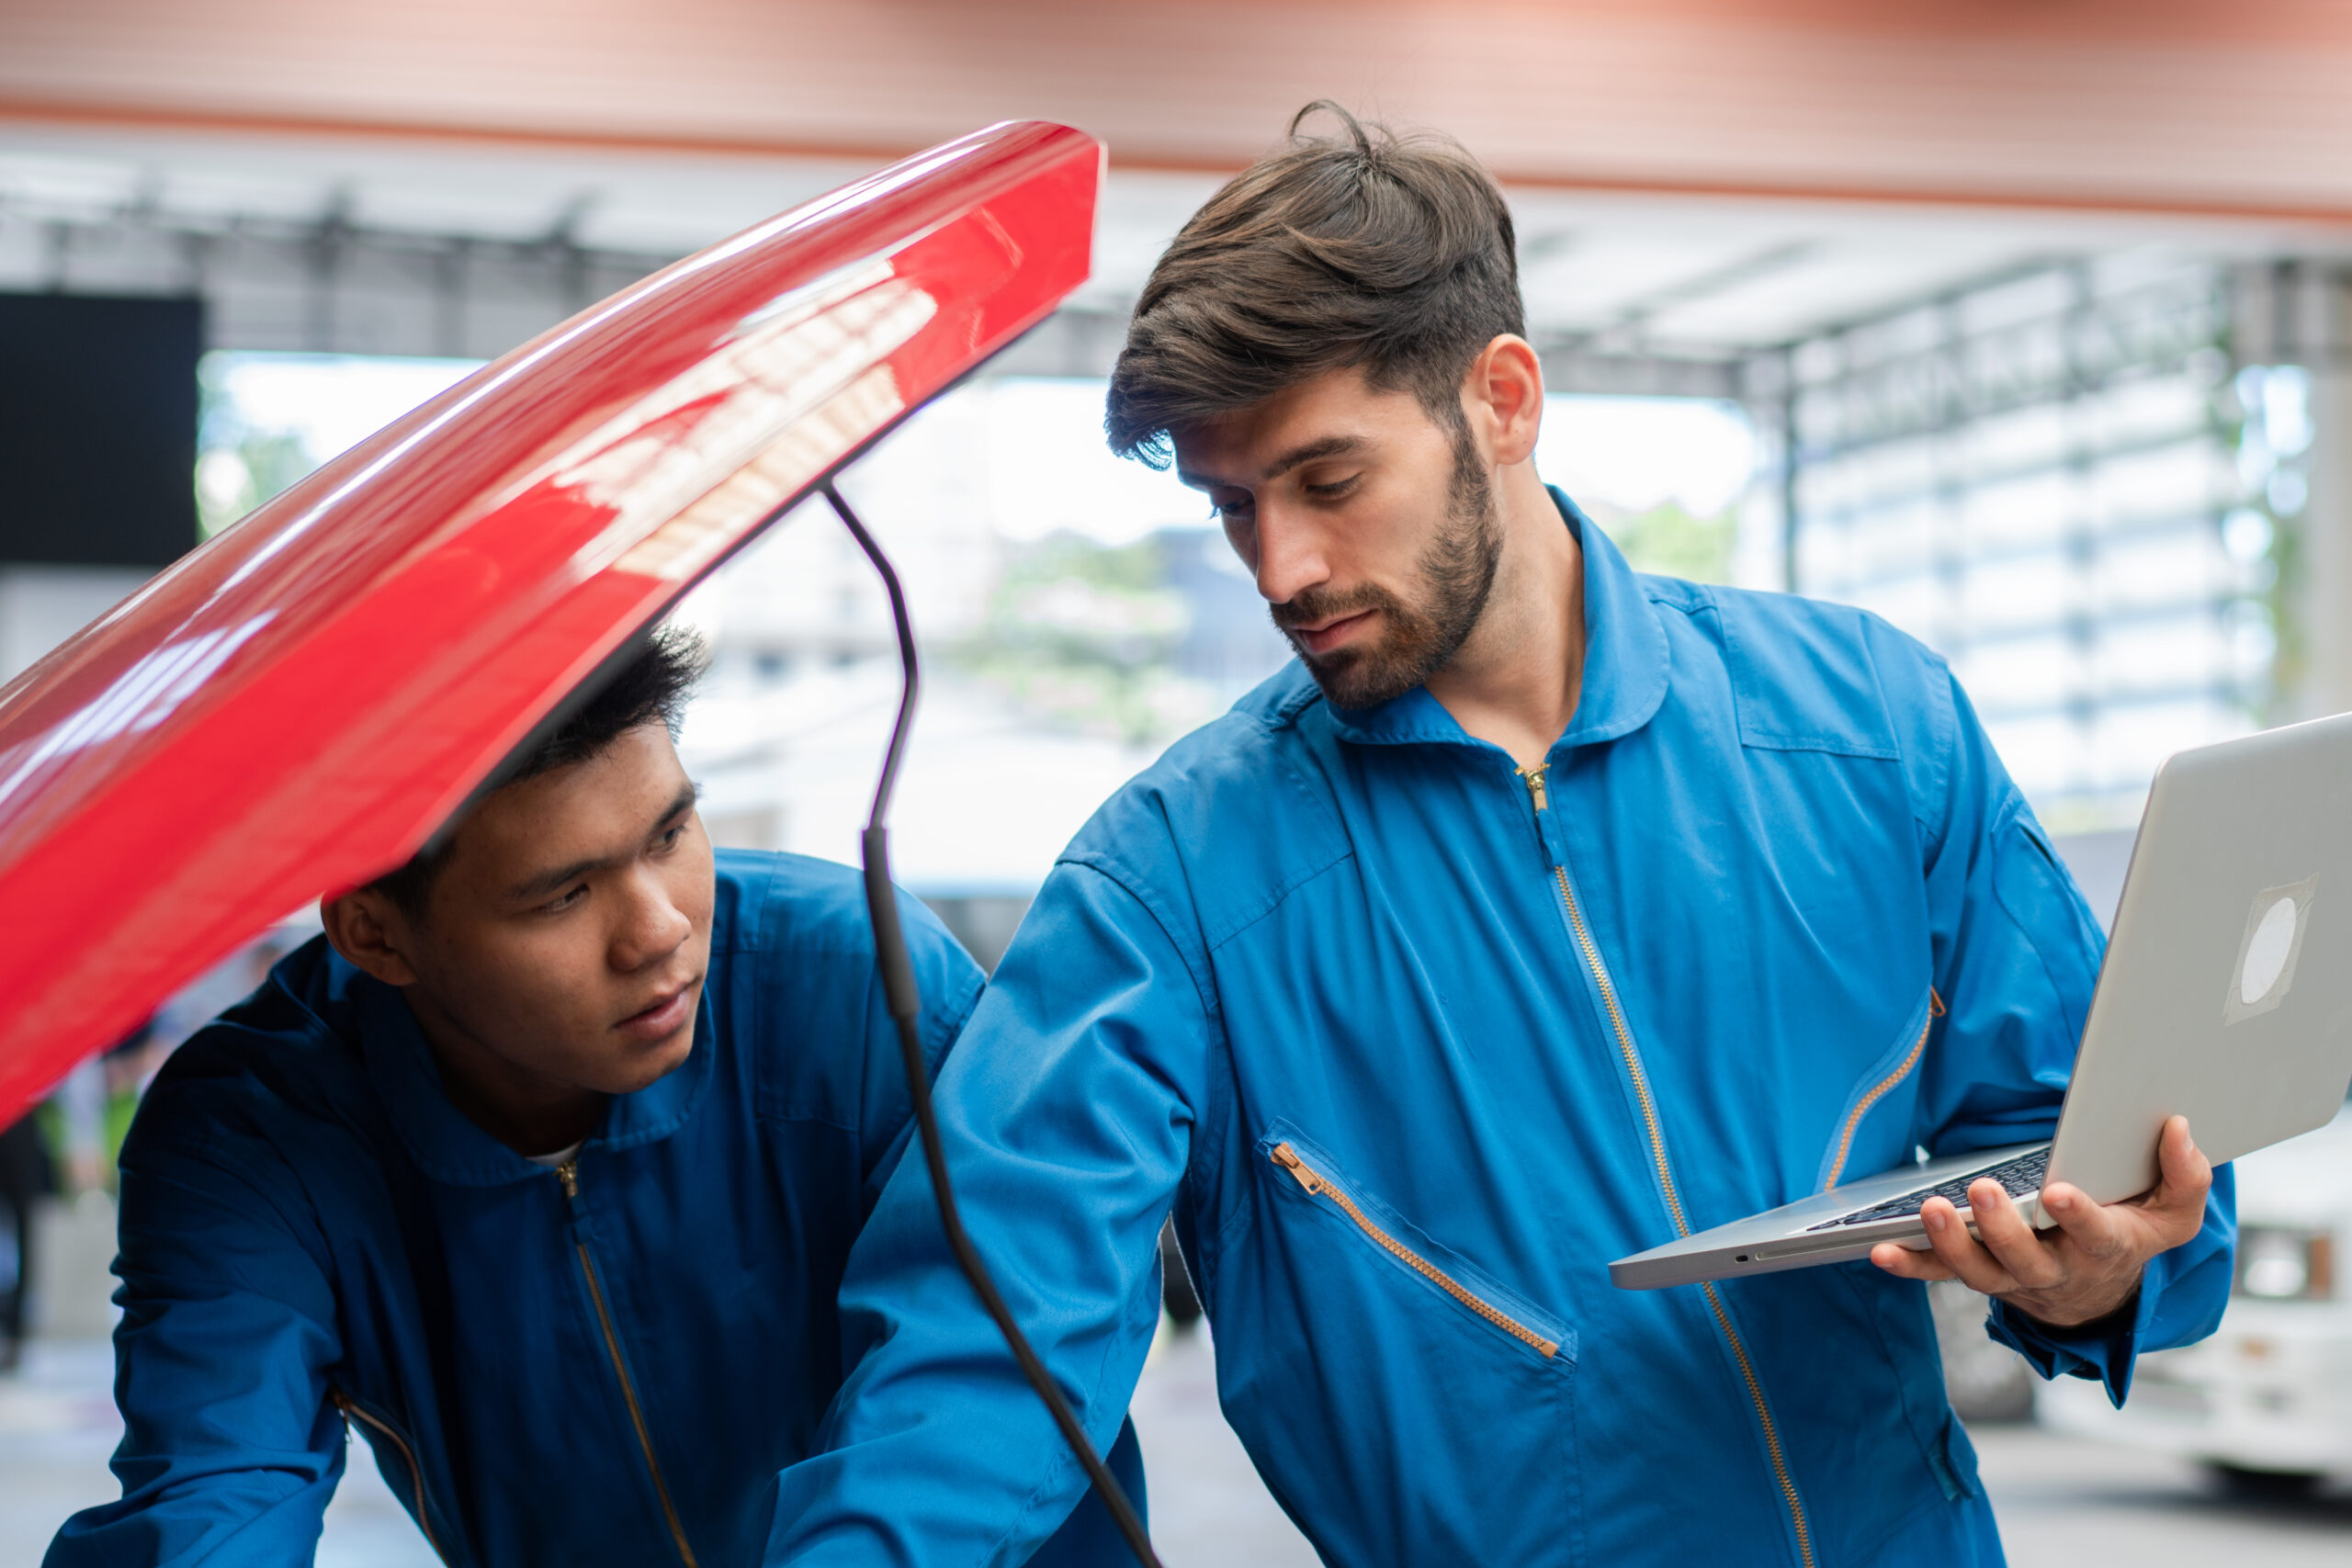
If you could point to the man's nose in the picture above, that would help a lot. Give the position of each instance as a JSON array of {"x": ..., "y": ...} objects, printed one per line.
[
  {"x": 1291, "y": 558},
  {"x": 652, "y": 928}
]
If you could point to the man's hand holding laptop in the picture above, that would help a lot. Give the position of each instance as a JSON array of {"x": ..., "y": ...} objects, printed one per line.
[{"x": 2083, "y": 1268}]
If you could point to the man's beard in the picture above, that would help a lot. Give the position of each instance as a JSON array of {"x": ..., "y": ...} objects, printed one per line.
[{"x": 1457, "y": 573}]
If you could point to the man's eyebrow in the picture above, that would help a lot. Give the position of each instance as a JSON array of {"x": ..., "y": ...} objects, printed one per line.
[
  {"x": 549, "y": 882},
  {"x": 1307, "y": 452},
  {"x": 681, "y": 802}
]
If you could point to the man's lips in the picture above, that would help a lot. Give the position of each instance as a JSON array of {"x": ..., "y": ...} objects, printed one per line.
[
  {"x": 1323, "y": 635},
  {"x": 667, "y": 1014}
]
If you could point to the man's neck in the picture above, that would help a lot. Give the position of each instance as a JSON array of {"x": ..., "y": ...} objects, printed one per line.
[
  {"x": 1517, "y": 680},
  {"x": 527, "y": 1112}
]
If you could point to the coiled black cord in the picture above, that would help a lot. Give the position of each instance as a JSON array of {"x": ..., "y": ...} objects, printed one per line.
[{"x": 905, "y": 1002}]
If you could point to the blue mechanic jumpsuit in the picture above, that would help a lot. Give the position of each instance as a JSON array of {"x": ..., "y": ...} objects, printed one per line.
[
  {"x": 1413, "y": 1044},
  {"x": 312, "y": 1235}
]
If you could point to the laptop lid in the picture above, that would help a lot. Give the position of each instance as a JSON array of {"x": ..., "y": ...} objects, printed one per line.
[
  {"x": 296, "y": 704},
  {"x": 2226, "y": 996}
]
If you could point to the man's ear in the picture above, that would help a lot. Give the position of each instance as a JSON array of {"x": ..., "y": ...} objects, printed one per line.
[
  {"x": 1503, "y": 395},
  {"x": 370, "y": 930}
]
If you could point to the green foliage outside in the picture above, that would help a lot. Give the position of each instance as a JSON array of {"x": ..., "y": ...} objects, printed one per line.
[
  {"x": 1672, "y": 542},
  {"x": 238, "y": 467},
  {"x": 121, "y": 1106},
  {"x": 236, "y": 477},
  {"x": 1084, "y": 634}
]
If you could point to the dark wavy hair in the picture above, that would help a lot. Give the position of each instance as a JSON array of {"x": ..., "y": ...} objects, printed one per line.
[
  {"x": 1364, "y": 248},
  {"x": 652, "y": 684}
]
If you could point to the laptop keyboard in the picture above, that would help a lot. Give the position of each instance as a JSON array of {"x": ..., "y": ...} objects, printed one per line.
[{"x": 2017, "y": 1177}]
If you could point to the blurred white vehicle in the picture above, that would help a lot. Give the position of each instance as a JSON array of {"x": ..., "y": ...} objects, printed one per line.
[{"x": 2267, "y": 1401}]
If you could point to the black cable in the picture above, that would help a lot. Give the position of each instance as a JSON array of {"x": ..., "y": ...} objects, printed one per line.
[{"x": 905, "y": 1001}]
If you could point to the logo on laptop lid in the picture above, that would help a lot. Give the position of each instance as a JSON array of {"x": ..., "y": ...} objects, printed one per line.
[{"x": 2266, "y": 952}]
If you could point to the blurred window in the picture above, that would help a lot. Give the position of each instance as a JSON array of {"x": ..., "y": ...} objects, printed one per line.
[{"x": 2055, "y": 483}]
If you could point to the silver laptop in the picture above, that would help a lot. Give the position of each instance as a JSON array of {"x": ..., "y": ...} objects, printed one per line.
[{"x": 2226, "y": 997}]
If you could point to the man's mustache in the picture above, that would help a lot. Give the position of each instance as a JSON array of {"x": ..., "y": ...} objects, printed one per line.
[{"x": 1314, "y": 605}]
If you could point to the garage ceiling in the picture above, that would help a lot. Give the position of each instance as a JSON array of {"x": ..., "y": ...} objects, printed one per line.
[{"x": 1691, "y": 176}]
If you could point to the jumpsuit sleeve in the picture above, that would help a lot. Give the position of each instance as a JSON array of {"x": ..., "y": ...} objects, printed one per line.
[
  {"x": 2016, "y": 953},
  {"x": 231, "y": 1448},
  {"x": 950, "y": 984},
  {"x": 1066, "y": 1111}
]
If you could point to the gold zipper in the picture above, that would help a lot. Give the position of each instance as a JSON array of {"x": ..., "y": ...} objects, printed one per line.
[
  {"x": 1319, "y": 1186},
  {"x": 1846, "y": 1140},
  {"x": 350, "y": 1408},
  {"x": 1764, "y": 1415},
  {"x": 1534, "y": 777},
  {"x": 568, "y": 1173}
]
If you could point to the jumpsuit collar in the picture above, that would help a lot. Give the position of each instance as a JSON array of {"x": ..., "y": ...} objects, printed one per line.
[
  {"x": 448, "y": 1147},
  {"x": 1624, "y": 661}
]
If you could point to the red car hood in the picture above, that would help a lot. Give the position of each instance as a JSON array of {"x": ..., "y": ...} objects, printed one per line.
[{"x": 296, "y": 704}]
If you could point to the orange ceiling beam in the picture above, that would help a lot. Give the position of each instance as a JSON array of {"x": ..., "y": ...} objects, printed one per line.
[{"x": 2162, "y": 105}]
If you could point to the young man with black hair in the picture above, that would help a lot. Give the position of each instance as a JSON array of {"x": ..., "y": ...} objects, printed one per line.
[
  {"x": 538, "y": 1170},
  {"x": 1541, "y": 912}
]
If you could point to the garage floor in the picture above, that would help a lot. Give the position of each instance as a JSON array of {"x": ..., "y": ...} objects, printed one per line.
[{"x": 2063, "y": 1501}]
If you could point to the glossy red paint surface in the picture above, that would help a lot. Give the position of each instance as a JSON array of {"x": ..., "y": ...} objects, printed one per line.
[{"x": 296, "y": 705}]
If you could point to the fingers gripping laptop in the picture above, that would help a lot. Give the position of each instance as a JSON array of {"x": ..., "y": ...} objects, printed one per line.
[{"x": 2226, "y": 998}]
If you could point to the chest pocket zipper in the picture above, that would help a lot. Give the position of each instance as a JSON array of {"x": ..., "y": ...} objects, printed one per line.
[
  {"x": 353, "y": 1411},
  {"x": 1319, "y": 1186},
  {"x": 1879, "y": 1090}
]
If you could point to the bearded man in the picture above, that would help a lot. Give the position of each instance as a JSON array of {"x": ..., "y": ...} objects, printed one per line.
[{"x": 1541, "y": 913}]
